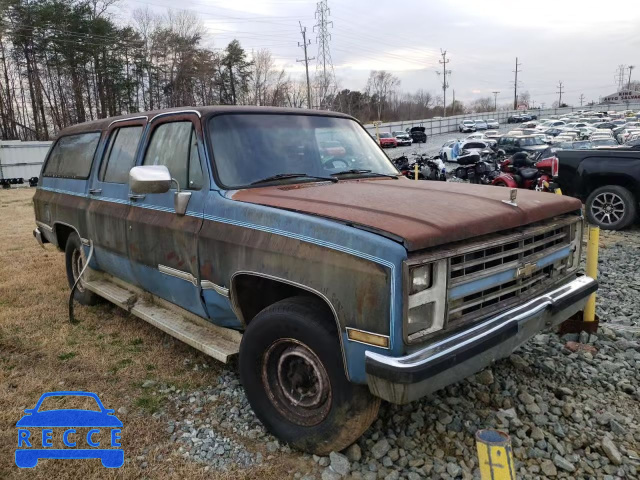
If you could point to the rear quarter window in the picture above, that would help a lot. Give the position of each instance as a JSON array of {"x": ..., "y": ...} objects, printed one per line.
[{"x": 71, "y": 156}]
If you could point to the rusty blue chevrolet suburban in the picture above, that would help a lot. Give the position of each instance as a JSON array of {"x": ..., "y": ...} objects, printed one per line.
[{"x": 275, "y": 235}]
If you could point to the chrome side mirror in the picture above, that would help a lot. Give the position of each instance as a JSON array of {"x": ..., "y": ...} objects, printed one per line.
[{"x": 149, "y": 179}]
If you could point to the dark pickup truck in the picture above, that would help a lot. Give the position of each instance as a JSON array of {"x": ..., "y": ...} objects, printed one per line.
[{"x": 606, "y": 180}]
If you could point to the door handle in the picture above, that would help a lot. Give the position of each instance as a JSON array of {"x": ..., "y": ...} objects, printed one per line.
[
  {"x": 136, "y": 196},
  {"x": 95, "y": 191}
]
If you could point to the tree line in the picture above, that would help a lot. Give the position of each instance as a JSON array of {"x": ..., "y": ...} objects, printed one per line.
[{"x": 67, "y": 61}]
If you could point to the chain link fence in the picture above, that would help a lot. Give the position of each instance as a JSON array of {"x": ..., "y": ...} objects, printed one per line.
[{"x": 435, "y": 126}]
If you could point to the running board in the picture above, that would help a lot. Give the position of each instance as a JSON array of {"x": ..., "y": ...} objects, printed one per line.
[{"x": 217, "y": 342}]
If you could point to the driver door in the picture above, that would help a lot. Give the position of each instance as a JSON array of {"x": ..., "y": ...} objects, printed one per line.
[{"x": 163, "y": 243}]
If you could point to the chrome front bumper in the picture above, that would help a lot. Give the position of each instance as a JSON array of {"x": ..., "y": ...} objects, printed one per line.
[{"x": 451, "y": 359}]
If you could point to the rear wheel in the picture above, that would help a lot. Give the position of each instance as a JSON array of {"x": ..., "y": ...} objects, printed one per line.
[
  {"x": 611, "y": 207},
  {"x": 293, "y": 374},
  {"x": 74, "y": 261}
]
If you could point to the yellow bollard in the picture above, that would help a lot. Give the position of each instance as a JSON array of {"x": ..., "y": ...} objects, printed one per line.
[
  {"x": 592, "y": 270},
  {"x": 416, "y": 171},
  {"x": 495, "y": 456},
  {"x": 558, "y": 191}
]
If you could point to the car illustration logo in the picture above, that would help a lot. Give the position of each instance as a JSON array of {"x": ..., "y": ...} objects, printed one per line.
[{"x": 83, "y": 433}]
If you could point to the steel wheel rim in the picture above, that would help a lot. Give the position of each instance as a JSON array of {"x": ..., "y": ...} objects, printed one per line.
[
  {"x": 296, "y": 382},
  {"x": 77, "y": 263},
  {"x": 608, "y": 208}
]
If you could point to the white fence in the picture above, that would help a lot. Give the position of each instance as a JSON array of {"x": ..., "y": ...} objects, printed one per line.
[
  {"x": 435, "y": 126},
  {"x": 22, "y": 159}
]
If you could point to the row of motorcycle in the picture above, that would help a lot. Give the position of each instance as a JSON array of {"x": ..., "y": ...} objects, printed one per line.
[{"x": 487, "y": 167}]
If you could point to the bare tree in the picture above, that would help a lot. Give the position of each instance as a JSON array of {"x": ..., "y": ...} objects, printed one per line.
[{"x": 380, "y": 86}]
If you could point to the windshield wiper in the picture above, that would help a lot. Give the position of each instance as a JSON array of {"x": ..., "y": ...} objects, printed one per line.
[
  {"x": 368, "y": 172},
  {"x": 282, "y": 176}
]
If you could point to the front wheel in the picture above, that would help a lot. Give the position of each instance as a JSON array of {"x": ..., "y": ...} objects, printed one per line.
[
  {"x": 293, "y": 374},
  {"x": 611, "y": 207}
]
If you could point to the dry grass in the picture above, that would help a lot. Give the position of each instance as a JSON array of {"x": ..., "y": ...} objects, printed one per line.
[{"x": 109, "y": 352}]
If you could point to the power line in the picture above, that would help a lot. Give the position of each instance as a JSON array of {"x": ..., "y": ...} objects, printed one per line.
[
  {"x": 515, "y": 86},
  {"x": 445, "y": 85},
  {"x": 305, "y": 43}
]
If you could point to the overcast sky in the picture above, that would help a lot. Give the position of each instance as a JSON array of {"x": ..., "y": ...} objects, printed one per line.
[{"x": 580, "y": 43}]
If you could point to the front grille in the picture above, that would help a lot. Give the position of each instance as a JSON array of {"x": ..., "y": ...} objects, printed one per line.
[{"x": 489, "y": 278}]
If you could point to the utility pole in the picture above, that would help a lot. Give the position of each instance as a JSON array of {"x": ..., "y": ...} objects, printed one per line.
[
  {"x": 619, "y": 76},
  {"x": 305, "y": 43},
  {"x": 495, "y": 100},
  {"x": 630, "y": 67},
  {"x": 515, "y": 86},
  {"x": 581, "y": 98},
  {"x": 560, "y": 85},
  {"x": 453, "y": 103},
  {"x": 445, "y": 85}
]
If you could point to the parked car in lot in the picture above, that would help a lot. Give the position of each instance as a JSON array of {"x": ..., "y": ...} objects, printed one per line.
[
  {"x": 418, "y": 134},
  {"x": 514, "y": 144},
  {"x": 446, "y": 151},
  {"x": 231, "y": 229},
  {"x": 492, "y": 123},
  {"x": 607, "y": 180},
  {"x": 467, "y": 126},
  {"x": 402, "y": 138},
  {"x": 481, "y": 124},
  {"x": 493, "y": 134},
  {"x": 387, "y": 140},
  {"x": 604, "y": 142}
]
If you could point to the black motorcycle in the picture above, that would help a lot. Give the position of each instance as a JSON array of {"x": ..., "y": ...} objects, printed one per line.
[
  {"x": 479, "y": 168},
  {"x": 428, "y": 168}
]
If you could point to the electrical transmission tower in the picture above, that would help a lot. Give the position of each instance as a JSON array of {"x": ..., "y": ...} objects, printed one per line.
[
  {"x": 445, "y": 84},
  {"x": 325, "y": 76},
  {"x": 560, "y": 86},
  {"x": 581, "y": 98},
  {"x": 304, "y": 44}
]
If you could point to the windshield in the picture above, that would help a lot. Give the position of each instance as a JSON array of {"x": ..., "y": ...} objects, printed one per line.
[
  {"x": 385, "y": 135},
  {"x": 252, "y": 147}
]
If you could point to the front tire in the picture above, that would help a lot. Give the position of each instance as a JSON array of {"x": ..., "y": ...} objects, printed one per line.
[
  {"x": 74, "y": 261},
  {"x": 293, "y": 374},
  {"x": 611, "y": 207}
]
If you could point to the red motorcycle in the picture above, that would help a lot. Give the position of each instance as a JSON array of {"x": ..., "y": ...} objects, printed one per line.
[{"x": 519, "y": 171}]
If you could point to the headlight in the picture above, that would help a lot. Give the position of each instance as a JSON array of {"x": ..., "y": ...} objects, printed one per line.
[
  {"x": 421, "y": 278},
  {"x": 426, "y": 300}
]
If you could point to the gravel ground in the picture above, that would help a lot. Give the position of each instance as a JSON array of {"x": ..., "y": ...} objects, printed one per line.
[{"x": 570, "y": 413}]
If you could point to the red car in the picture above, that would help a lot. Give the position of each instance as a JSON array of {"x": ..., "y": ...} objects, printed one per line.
[{"x": 388, "y": 140}]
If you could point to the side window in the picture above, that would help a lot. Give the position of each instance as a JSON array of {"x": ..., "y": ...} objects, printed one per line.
[
  {"x": 72, "y": 156},
  {"x": 175, "y": 146},
  {"x": 120, "y": 156}
]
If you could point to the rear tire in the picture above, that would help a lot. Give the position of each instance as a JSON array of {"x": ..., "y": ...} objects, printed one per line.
[
  {"x": 611, "y": 207},
  {"x": 293, "y": 374},
  {"x": 74, "y": 261}
]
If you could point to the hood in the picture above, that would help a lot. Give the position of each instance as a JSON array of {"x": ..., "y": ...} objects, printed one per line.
[{"x": 439, "y": 212}]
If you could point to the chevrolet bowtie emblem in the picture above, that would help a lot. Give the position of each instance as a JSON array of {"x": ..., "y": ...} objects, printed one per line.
[
  {"x": 526, "y": 270},
  {"x": 513, "y": 194}
]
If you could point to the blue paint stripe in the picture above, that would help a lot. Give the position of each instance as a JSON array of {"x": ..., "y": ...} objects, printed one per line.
[
  {"x": 264, "y": 228},
  {"x": 496, "y": 279}
]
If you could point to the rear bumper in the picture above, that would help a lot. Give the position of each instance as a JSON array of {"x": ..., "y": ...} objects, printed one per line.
[{"x": 451, "y": 359}]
